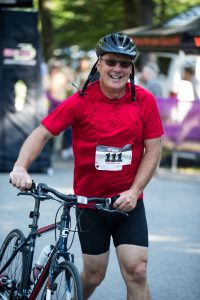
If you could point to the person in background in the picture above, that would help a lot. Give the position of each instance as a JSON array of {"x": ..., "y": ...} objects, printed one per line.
[
  {"x": 150, "y": 80},
  {"x": 188, "y": 90},
  {"x": 83, "y": 71},
  {"x": 117, "y": 147},
  {"x": 56, "y": 91},
  {"x": 189, "y": 75}
]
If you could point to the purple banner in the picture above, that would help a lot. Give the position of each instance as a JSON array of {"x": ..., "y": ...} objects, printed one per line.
[{"x": 181, "y": 119}]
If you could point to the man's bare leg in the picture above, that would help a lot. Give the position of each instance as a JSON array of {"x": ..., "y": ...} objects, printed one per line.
[
  {"x": 94, "y": 270},
  {"x": 133, "y": 263}
]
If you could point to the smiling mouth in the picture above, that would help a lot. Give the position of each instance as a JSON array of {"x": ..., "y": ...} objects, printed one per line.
[{"x": 115, "y": 77}]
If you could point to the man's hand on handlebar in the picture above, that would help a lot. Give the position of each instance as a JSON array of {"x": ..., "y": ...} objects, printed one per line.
[
  {"x": 20, "y": 178},
  {"x": 126, "y": 202}
]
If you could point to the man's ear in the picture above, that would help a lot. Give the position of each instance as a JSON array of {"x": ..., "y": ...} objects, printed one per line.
[{"x": 98, "y": 65}]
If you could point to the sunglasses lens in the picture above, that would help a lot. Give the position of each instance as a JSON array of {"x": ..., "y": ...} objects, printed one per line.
[
  {"x": 113, "y": 63},
  {"x": 125, "y": 64}
]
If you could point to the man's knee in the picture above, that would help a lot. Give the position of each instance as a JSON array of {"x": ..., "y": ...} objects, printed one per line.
[
  {"x": 94, "y": 269},
  {"x": 133, "y": 262},
  {"x": 93, "y": 277},
  {"x": 137, "y": 273}
]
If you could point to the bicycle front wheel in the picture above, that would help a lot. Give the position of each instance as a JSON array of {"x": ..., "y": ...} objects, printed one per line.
[
  {"x": 14, "y": 271},
  {"x": 66, "y": 283}
]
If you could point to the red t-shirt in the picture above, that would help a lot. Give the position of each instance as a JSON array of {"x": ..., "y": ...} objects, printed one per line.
[{"x": 110, "y": 129}]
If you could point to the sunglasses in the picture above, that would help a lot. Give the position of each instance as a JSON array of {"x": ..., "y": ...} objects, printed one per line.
[{"x": 111, "y": 62}]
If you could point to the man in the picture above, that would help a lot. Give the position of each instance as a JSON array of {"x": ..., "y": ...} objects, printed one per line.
[
  {"x": 117, "y": 147},
  {"x": 149, "y": 79},
  {"x": 189, "y": 76}
]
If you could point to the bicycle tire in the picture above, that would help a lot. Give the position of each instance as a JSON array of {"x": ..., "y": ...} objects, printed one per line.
[
  {"x": 71, "y": 288},
  {"x": 16, "y": 268}
]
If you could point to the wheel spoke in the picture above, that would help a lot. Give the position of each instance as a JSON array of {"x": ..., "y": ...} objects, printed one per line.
[{"x": 13, "y": 273}]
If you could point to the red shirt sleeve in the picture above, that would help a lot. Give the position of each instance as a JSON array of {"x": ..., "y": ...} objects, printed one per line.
[{"x": 64, "y": 115}]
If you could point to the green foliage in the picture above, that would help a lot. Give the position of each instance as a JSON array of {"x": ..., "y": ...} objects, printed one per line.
[
  {"x": 165, "y": 9},
  {"x": 83, "y": 22}
]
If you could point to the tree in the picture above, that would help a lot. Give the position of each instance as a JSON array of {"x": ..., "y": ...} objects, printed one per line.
[
  {"x": 47, "y": 28},
  {"x": 83, "y": 22}
]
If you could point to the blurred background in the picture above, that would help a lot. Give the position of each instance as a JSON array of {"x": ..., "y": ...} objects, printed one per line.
[{"x": 47, "y": 51}]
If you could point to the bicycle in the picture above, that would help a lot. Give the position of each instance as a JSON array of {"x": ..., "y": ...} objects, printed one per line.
[{"x": 59, "y": 277}]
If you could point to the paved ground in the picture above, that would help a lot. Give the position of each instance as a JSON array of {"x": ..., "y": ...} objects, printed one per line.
[{"x": 173, "y": 208}]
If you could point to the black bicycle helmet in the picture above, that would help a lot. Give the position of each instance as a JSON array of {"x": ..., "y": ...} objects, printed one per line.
[{"x": 118, "y": 43}]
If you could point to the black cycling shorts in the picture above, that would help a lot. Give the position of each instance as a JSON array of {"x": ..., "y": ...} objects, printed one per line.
[{"x": 96, "y": 229}]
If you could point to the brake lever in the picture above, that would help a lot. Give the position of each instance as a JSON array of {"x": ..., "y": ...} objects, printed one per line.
[
  {"x": 24, "y": 193},
  {"x": 111, "y": 210},
  {"x": 118, "y": 212},
  {"x": 29, "y": 191},
  {"x": 35, "y": 192}
]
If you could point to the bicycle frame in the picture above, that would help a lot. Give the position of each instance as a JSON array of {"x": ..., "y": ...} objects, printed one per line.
[
  {"x": 59, "y": 250},
  {"x": 53, "y": 266}
]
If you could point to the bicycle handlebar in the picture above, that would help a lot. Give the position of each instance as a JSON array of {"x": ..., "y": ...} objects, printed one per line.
[{"x": 41, "y": 191}]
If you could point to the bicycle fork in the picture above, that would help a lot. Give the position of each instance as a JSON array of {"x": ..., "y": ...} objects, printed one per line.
[{"x": 62, "y": 251}]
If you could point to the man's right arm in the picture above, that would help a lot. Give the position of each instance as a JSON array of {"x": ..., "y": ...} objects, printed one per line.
[{"x": 30, "y": 150}]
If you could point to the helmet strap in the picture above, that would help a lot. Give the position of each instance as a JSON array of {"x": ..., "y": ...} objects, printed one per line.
[
  {"x": 92, "y": 73},
  {"x": 132, "y": 81}
]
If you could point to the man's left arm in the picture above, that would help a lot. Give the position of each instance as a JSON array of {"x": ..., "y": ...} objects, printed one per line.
[{"x": 149, "y": 163}]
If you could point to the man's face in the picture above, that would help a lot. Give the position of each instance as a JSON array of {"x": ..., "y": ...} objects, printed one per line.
[{"x": 114, "y": 72}]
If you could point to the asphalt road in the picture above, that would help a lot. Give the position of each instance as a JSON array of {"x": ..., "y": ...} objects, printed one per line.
[{"x": 173, "y": 213}]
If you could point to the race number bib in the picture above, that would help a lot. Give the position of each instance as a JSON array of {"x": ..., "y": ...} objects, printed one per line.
[{"x": 112, "y": 158}]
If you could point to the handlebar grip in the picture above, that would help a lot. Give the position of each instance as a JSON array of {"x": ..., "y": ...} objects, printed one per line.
[
  {"x": 32, "y": 186},
  {"x": 114, "y": 198}
]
